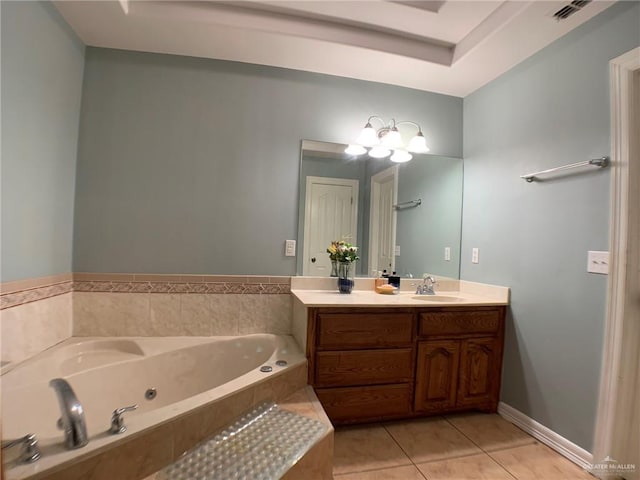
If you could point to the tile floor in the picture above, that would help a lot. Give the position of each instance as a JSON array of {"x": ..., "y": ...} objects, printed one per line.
[{"x": 472, "y": 446}]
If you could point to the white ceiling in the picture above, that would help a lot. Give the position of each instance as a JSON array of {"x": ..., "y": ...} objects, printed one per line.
[{"x": 452, "y": 47}]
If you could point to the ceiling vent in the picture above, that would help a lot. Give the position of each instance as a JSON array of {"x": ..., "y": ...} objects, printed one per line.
[{"x": 570, "y": 9}]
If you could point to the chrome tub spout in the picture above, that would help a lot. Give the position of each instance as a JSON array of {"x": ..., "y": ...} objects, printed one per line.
[{"x": 72, "y": 420}]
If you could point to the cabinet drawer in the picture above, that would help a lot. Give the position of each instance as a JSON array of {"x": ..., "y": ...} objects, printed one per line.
[
  {"x": 364, "y": 330},
  {"x": 355, "y": 404},
  {"x": 364, "y": 367},
  {"x": 444, "y": 323}
]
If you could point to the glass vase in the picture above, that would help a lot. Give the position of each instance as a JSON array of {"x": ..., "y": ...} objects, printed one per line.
[
  {"x": 346, "y": 273},
  {"x": 334, "y": 268}
]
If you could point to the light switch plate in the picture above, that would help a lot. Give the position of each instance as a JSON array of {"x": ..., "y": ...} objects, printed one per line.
[
  {"x": 447, "y": 254},
  {"x": 397, "y": 251},
  {"x": 475, "y": 255},
  {"x": 289, "y": 248},
  {"x": 598, "y": 262}
]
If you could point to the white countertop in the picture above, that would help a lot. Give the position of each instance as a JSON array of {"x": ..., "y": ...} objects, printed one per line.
[{"x": 369, "y": 298}]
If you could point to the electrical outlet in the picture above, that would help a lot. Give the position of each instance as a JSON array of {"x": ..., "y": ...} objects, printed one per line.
[
  {"x": 447, "y": 254},
  {"x": 397, "y": 251},
  {"x": 598, "y": 262},
  {"x": 475, "y": 255},
  {"x": 289, "y": 248}
]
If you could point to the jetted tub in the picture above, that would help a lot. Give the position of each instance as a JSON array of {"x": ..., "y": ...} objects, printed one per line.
[{"x": 184, "y": 373}]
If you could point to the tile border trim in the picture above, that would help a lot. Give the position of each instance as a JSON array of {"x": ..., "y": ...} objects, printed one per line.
[
  {"x": 564, "y": 447},
  {"x": 13, "y": 294},
  {"x": 14, "y": 299}
]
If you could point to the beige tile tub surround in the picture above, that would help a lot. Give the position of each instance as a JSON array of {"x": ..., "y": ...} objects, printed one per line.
[
  {"x": 38, "y": 313},
  {"x": 317, "y": 463},
  {"x": 149, "y": 451},
  {"x": 162, "y": 314},
  {"x": 157, "y": 283},
  {"x": 20, "y": 292},
  {"x": 32, "y": 327},
  {"x": 170, "y": 305}
]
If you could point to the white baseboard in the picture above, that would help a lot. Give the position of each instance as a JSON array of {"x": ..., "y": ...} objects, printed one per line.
[{"x": 564, "y": 447}]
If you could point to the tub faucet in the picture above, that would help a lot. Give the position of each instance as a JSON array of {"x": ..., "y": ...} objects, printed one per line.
[
  {"x": 427, "y": 286},
  {"x": 29, "y": 452},
  {"x": 72, "y": 415}
]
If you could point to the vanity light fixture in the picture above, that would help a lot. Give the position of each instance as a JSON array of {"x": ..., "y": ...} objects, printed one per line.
[{"x": 381, "y": 141}]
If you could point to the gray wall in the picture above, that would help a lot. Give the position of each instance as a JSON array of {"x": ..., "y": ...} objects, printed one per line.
[
  {"x": 191, "y": 165},
  {"x": 42, "y": 65},
  {"x": 423, "y": 232},
  {"x": 550, "y": 110}
]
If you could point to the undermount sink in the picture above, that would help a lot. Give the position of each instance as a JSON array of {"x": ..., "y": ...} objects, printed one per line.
[{"x": 438, "y": 298}]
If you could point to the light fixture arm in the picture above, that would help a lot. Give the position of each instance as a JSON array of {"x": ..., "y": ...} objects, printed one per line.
[
  {"x": 377, "y": 118},
  {"x": 412, "y": 123}
]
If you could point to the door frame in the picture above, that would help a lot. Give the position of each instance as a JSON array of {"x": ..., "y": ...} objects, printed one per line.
[
  {"x": 347, "y": 182},
  {"x": 612, "y": 390},
  {"x": 376, "y": 180}
]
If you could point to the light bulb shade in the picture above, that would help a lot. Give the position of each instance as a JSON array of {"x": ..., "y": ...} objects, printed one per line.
[
  {"x": 379, "y": 151},
  {"x": 368, "y": 137},
  {"x": 418, "y": 144},
  {"x": 392, "y": 139},
  {"x": 355, "y": 150},
  {"x": 401, "y": 156}
]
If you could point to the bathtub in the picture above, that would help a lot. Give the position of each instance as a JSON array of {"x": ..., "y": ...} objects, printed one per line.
[{"x": 171, "y": 379}]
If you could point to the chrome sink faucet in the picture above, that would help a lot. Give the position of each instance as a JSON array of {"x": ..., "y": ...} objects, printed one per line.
[
  {"x": 72, "y": 420},
  {"x": 427, "y": 286}
]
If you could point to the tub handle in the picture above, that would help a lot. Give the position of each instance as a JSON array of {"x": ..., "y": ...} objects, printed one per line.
[
  {"x": 30, "y": 451},
  {"x": 117, "y": 422}
]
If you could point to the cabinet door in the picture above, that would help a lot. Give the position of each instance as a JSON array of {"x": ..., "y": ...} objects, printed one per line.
[
  {"x": 479, "y": 376},
  {"x": 437, "y": 375}
]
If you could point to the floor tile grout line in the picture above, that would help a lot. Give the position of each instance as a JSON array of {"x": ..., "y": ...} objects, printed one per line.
[
  {"x": 493, "y": 449},
  {"x": 438, "y": 459},
  {"x": 388, "y": 467},
  {"x": 403, "y": 451},
  {"x": 501, "y": 465},
  {"x": 464, "y": 435},
  {"x": 487, "y": 453},
  {"x": 385, "y": 467}
]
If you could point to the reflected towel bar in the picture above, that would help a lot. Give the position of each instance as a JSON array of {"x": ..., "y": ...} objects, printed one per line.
[
  {"x": 596, "y": 162},
  {"x": 409, "y": 204}
]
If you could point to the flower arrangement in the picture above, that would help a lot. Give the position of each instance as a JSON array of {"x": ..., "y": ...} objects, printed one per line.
[{"x": 341, "y": 251}]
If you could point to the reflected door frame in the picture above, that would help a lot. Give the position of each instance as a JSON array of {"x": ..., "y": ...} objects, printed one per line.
[
  {"x": 308, "y": 205},
  {"x": 377, "y": 180}
]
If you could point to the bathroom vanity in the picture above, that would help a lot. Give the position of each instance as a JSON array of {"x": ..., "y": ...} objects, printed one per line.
[{"x": 374, "y": 358}]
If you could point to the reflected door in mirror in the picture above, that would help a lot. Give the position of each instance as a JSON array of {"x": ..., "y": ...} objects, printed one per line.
[
  {"x": 382, "y": 236},
  {"x": 330, "y": 214}
]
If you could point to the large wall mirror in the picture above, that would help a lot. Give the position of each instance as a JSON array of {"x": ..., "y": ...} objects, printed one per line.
[{"x": 404, "y": 217}]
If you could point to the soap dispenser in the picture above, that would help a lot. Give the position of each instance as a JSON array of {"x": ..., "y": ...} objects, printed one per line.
[{"x": 394, "y": 280}]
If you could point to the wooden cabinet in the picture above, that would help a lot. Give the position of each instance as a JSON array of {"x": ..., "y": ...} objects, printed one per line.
[
  {"x": 437, "y": 375},
  {"x": 370, "y": 364},
  {"x": 459, "y": 359},
  {"x": 479, "y": 374},
  {"x": 362, "y": 362}
]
